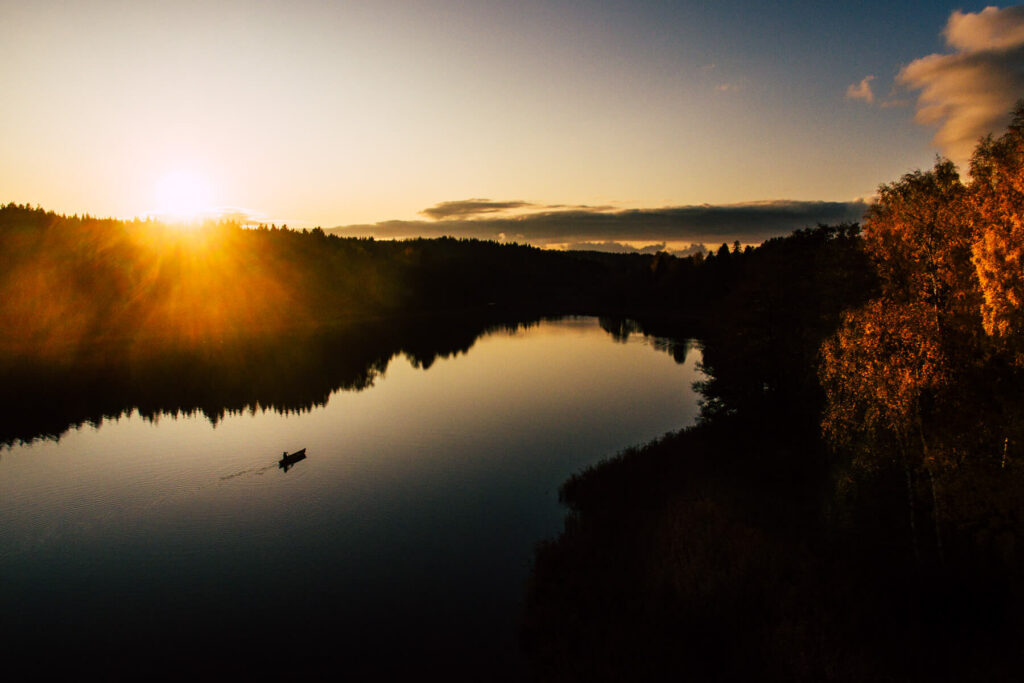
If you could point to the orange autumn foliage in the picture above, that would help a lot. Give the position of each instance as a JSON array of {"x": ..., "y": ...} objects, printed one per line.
[
  {"x": 951, "y": 308},
  {"x": 875, "y": 370},
  {"x": 998, "y": 253}
]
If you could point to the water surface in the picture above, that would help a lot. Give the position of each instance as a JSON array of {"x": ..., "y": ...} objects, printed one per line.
[{"x": 401, "y": 543}]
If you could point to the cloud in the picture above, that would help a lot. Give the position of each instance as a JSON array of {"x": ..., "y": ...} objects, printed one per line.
[
  {"x": 749, "y": 222},
  {"x": 616, "y": 247},
  {"x": 969, "y": 94},
  {"x": 862, "y": 90},
  {"x": 990, "y": 29},
  {"x": 472, "y": 209},
  {"x": 468, "y": 208},
  {"x": 581, "y": 207}
]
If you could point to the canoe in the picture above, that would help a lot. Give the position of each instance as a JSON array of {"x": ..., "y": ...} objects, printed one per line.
[{"x": 287, "y": 460}]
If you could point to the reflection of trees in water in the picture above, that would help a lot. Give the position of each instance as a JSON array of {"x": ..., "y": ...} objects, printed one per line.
[
  {"x": 291, "y": 373},
  {"x": 619, "y": 328},
  {"x": 671, "y": 335}
]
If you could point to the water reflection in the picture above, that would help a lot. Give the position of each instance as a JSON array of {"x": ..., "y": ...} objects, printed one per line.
[
  {"x": 291, "y": 373},
  {"x": 399, "y": 545}
]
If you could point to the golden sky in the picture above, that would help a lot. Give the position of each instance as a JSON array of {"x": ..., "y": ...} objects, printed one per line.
[{"x": 330, "y": 113}]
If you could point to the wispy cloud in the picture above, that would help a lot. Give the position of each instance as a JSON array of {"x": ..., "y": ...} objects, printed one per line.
[
  {"x": 581, "y": 207},
  {"x": 712, "y": 224},
  {"x": 473, "y": 209},
  {"x": 470, "y": 208},
  {"x": 862, "y": 90},
  {"x": 969, "y": 93}
]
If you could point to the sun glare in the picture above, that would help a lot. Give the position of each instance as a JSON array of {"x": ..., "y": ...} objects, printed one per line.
[{"x": 183, "y": 195}]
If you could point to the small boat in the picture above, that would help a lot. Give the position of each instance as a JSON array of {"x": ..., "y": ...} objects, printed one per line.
[{"x": 287, "y": 461}]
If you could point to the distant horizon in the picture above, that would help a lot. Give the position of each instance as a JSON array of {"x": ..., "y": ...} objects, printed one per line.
[
  {"x": 683, "y": 229},
  {"x": 610, "y": 227},
  {"x": 316, "y": 113}
]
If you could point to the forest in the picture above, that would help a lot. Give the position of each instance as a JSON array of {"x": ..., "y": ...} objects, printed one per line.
[
  {"x": 848, "y": 507},
  {"x": 76, "y": 283}
]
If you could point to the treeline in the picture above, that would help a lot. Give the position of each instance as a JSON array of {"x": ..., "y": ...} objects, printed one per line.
[
  {"x": 851, "y": 504},
  {"x": 76, "y": 281},
  {"x": 70, "y": 282}
]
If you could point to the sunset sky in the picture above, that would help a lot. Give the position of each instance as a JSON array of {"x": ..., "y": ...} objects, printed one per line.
[{"x": 333, "y": 113}]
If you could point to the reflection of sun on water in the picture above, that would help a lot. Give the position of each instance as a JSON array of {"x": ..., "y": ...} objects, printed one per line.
[{"x": 183, "y": 195}]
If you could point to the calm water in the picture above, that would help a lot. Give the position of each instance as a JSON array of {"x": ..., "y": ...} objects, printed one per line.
[{"x": 401, "y": 543}]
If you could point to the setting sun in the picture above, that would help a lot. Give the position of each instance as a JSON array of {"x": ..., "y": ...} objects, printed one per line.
[{"x": 183, "y": 195}]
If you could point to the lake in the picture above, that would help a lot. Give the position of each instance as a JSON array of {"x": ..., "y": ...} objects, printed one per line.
[{"x": 169, "y": 537}]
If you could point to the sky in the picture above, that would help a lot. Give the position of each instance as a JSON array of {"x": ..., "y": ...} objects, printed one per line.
[{"x": 356, "y": 113}]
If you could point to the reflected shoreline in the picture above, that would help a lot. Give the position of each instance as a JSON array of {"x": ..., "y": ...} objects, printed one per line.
[{"x": 293, "y": 372}]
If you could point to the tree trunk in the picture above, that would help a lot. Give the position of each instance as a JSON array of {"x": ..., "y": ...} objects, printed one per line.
[
  {"x": 910, "y": 510},
  {"x": 935, "y": 518},
  {"x": 929, "y": 465}
]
